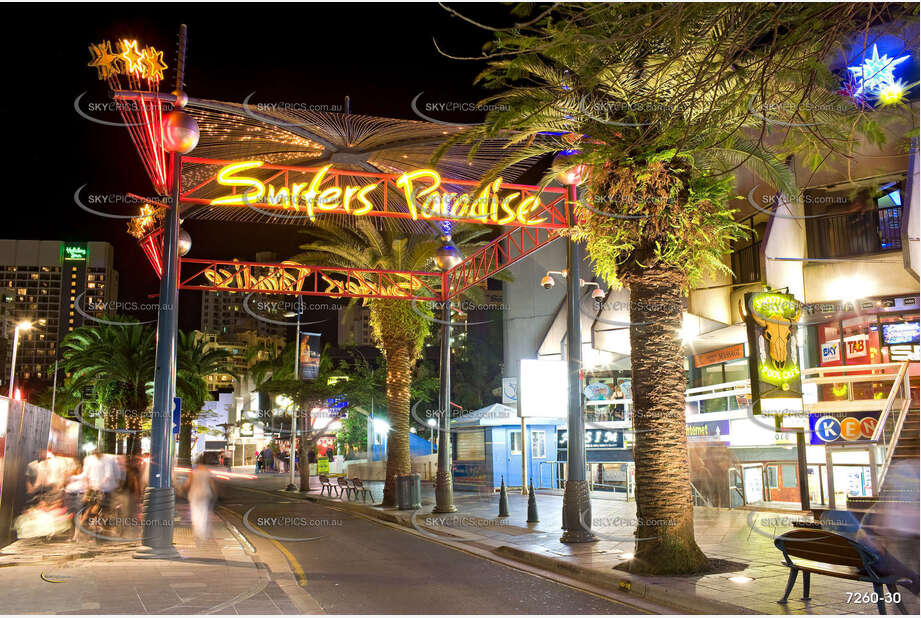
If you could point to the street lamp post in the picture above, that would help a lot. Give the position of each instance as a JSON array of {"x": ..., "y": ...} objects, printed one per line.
[
  {"x": 297, "y": 366},
  {"x": 446, "y": 257},
  {"x": 159, "y": 497},
  {"x": 577, "y": 504},
  {"x": 432, "y": 423},
  {"x": 24, "y": 325}
]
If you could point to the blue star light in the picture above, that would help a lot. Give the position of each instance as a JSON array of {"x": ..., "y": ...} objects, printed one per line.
[{"x": 875, "y": 73}]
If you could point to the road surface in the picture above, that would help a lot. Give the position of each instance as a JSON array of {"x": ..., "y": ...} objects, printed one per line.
[{"x": 359, "y": 566}]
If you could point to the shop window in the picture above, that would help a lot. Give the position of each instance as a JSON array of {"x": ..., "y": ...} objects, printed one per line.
[
  {"x": 538, "y": 445},
  {"x": 514, "y": 442},
  {"x": 788, "y": 476}
]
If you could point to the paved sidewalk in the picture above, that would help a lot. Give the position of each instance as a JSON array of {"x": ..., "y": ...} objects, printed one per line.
[
  {"x": 97, "y": 576},
  {"x": 740, "y": 541}
]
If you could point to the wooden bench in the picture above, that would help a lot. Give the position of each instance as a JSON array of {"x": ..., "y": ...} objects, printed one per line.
[
  {"x": 344, "y": 488},
  {"x": 326, "y": 485},
  {"x": 827, "y": 553},
  {"x": 360, "y": 490}
]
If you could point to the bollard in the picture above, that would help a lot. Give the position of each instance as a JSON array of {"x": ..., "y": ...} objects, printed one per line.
[
  {"x": 532, "y": 504},
  {"x": 503, "y": 500}
]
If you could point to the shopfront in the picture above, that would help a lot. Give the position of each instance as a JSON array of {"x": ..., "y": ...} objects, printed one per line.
[{"x": 864, "y": 332}]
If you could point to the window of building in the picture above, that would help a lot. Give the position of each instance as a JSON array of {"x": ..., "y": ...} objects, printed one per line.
[
  {"x": 471, "y": 445},
  {"x": 514, "y": 442},
  {"x": 538, "y": 444},
  {"x": 788, "y": 476}
]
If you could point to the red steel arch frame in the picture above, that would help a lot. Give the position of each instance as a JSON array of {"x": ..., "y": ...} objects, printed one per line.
[{"x": 305, "y": 280}]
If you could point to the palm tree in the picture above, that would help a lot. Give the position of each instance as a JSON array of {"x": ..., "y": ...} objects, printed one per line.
[
  {"x": 662, "y": 103},
  {"x": 117, "y": 361},
  {"x": 399, "y": 326},
  {"x": 197, "y": 360}
]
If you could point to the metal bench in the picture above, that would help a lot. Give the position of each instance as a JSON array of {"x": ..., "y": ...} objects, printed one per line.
[
  {"x": 827, "y": 553},
  {"x": 344, "y": 488},
  {"x": 326, "y": 485},
  {"x": 360, "y": 490}
]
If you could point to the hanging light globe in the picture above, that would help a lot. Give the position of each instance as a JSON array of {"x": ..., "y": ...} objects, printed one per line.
[
  {"x": 567, "y": 173},
  {"x": 447, "y": 256},
  {"x": 180, "y": 132}
]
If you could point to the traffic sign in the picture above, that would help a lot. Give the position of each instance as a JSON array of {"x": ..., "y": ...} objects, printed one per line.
[{"x": 177, "y": 413}]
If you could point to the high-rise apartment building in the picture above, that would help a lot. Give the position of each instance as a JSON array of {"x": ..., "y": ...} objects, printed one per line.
[
  {"x": 228, "y": 313},
  {"x": 55, "y": 285}
]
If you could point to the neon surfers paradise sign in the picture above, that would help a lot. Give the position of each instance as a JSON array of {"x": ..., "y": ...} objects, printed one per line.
[{"x": 422, "y": 190}]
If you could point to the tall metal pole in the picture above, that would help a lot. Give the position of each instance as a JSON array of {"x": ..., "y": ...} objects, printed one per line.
[
  {"x": 577, "y": 505},
  {"x": 159, "y": 497},
  {"x": 13, "y": 362},
  {"x": 444, "y": 483},
  {"x": 297, "y": 366}
]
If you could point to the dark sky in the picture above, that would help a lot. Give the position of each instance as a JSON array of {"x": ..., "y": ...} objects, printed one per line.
[{"x": 381, "y": 55}]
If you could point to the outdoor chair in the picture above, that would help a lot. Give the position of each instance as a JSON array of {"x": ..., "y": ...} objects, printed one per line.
[
  {"x": 834, "y": 555},
  {"x": 325, "y": 485},
  {"x": 360, "y": 490},
  {"x": 344, "y": 488}
]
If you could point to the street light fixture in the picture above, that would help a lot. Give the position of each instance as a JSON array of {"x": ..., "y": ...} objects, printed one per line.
[
  {"x": 23, "y": 325},
  {"x": 446, "y": 257},
  {"x": 297, "y": 366},
  {"x": 432, "y": 423},
  {"x": 577, "y": 504}
]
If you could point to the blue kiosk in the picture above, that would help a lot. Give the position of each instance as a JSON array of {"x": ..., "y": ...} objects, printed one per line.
[{"x": 487, "y": 446}]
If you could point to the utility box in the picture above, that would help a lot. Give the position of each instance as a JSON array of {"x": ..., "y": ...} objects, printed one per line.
[{"x": 409, "y": 492}]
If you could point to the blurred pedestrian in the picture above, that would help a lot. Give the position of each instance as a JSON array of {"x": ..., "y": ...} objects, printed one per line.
[{"x": 201, "y": 493}]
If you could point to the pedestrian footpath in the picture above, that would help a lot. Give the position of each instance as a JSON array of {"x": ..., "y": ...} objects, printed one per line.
[
  {"x": 217, "y": 576},
  {"x": 748, "y": 577}
]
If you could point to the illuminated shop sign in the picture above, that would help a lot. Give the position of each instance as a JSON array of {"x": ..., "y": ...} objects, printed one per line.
[
  {"x": 771, "y": 321},
  {"x": 422, "y": 190},
  {"x": 842, "y": 427},
  {"x": 708, "y": 431},
  {"x": 901, "y": 333},
  {"x": 595, "y": 438},
  {"x": 73, "y": 252}
]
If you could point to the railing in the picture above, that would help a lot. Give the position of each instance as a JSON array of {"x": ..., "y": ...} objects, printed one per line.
[
  {"x": 695, "y": 400},
  {"x": 746, "y": 264},
  {"x": 893, "y": 411},
  {"x": 856, "y": 233}
]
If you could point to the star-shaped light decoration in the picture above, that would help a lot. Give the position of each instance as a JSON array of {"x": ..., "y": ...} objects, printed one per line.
[
  {"x": 892, "y": 93},
  {"x": 153, "y": 60},
  {"x": 104, "y": 60},
  {"x": 132, "y": 58},
  {"x": 875, "y": 73}
]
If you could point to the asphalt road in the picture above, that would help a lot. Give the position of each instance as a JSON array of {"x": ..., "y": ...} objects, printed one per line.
[{"x": 362, "y": 567}]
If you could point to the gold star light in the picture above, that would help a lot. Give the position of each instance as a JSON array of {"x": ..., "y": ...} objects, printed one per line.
[
  {"x": 131, "y": 57},
  {"x": 155, "y": 66},
  {"x": 103, "y": 60}
]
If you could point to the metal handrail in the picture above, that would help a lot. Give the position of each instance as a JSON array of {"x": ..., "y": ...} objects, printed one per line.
[
  {"x": 896, "y": 432},
  {"x": 900, "y": 381}
]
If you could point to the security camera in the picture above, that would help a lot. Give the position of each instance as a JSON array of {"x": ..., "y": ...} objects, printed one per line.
[
  {"x": 547, "y": 282},
  {"x": 598, "y": 294}
]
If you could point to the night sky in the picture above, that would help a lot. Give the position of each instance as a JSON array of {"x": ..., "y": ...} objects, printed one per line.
[{"x": 380, "y": 55}]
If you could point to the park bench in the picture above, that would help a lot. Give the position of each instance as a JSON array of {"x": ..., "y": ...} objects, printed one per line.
[
  {"x": 827, "y": 553},
  {"x": 344, "y": 488},
  {"x": 360, "y": 490},
  {"x": 326, "y": 485}
]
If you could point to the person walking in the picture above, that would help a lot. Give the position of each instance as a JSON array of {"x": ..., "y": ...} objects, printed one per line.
[{"x": 201, "y": 494}]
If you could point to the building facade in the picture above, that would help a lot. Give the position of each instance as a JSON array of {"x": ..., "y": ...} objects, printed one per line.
[{"x": 58, "y": 286}]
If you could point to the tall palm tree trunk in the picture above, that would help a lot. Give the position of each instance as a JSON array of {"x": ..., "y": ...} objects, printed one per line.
[
  {"x": 185, "y": 441},
  {"x": 664, "y": 507},
  {"x": 399, "y": 376}
]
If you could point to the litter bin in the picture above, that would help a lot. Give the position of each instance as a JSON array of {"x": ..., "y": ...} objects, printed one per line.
[{"x": 409, "y": 492}]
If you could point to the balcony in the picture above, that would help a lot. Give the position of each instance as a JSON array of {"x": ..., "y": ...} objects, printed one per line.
[{"x": 868, "y": 225}]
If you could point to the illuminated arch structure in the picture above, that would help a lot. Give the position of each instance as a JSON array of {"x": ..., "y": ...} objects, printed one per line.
[{"x": 340, "y": 166}]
